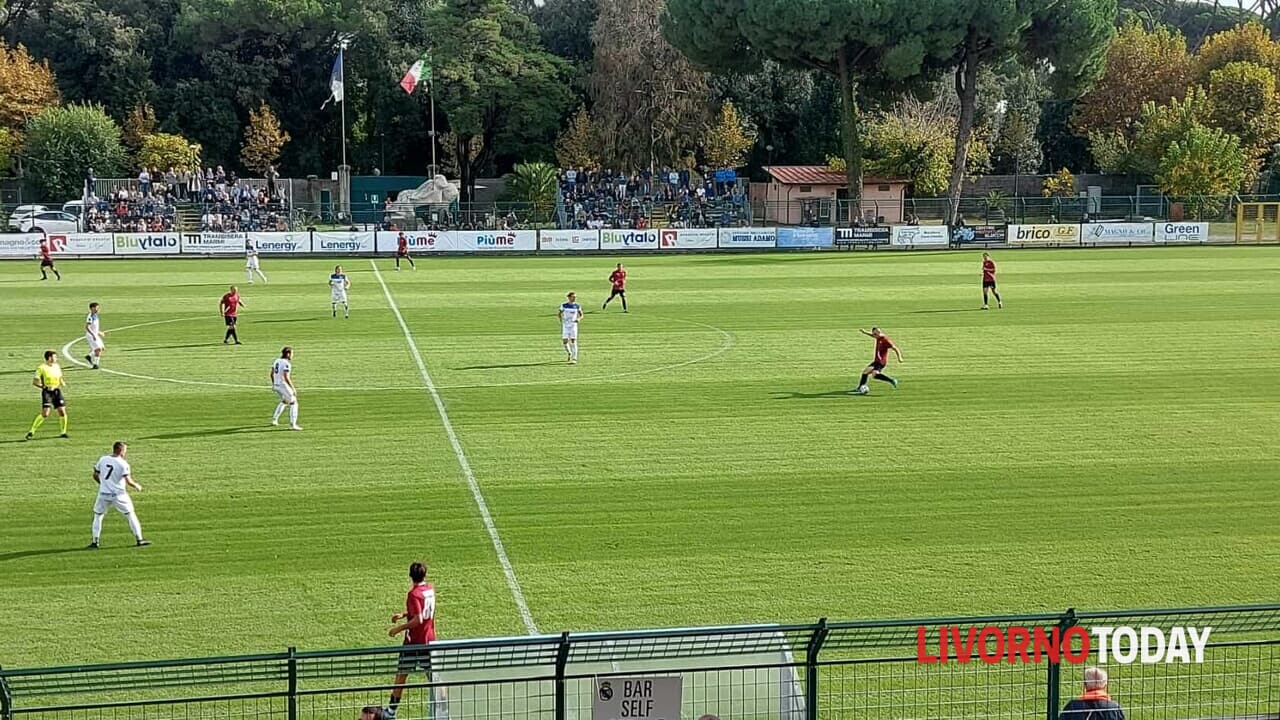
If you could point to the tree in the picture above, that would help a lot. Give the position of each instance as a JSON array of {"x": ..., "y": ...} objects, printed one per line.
[
  {"x": 1141, "y": 66},
  {"x": 162, "y": 151},
  {"x": 649, "y": 103},
  {"x": 727, "y": 140},
  {"x": 1009, "y": 110},
  {"x": 1246, "y": 43},
  {"x": 1071, "y": 36},
  {"x": 870, "y": 48},
  {"x": 500, "y": 91},
  {"x": 138, "y": 124},
  {"x": 1160, "y": 126},
  {"x": 916, "y": 140},
  {"x": 8, "y": 147},
  {"x": 537, "y": 184},
  {"x": 263, "y": 140},
  {"x": 27, "y": 88},
  {"x": 64, "y": 142},
  {"x": 1201, "y": 165},
  {"x": 1061, "y": 184},
  {"x": 1243, "y": 100},
  {"x": 565, "y": 27},
  {"x": 576, "y": 146},
  {"x": 791, "y": 110}
]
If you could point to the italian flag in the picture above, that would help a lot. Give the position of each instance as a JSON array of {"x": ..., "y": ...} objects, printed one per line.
[{"x": 419, "y": 70}]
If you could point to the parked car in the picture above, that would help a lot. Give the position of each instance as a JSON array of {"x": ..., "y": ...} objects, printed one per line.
[
  {"x": 22, "y": 212},
  {"x": 50, "y": 221},
  {"x": 74, "y": 207}
]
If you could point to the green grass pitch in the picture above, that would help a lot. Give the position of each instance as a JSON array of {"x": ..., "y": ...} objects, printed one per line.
[{"x": 1110, "y": 439}]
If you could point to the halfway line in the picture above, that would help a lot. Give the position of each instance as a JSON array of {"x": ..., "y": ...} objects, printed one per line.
[{"x": 507, "y": 570}]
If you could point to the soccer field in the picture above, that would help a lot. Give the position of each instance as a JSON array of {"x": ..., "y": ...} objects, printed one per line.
[{"x": 1110, "y": 439}]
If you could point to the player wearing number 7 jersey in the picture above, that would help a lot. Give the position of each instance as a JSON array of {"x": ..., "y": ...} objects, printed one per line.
[{"x": 114, "y": 478}]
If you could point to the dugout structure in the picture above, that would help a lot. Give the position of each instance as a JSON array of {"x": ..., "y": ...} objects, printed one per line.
[{"x": 1257, "y": 223}]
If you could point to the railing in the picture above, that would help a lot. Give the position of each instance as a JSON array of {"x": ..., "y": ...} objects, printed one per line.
[{"x": 867, "y": 670}]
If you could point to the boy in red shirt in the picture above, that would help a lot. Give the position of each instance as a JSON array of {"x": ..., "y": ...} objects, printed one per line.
[
  {"x": 883, "y": 346},
  {"x": 402, "y": 251},
  {"x": 419, "y": 628},
  {"x": 46, "y": 260}
]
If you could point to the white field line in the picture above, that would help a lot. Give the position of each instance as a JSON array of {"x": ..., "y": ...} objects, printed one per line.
[{"x": 512, "y": 582}]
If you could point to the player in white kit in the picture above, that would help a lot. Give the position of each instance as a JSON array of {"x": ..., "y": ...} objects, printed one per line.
[
  {"x": 251, "y": 261},
  {"x": 114, "y": 478},
  {"x": 282, "y": 383},
  {"x": 570, "y": 313},
  {"x": 93, "y": 336},
  {"x": 338, "y": 286}
]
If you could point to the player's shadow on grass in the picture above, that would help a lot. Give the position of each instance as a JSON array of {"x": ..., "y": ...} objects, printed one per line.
[
  {"x": 171, "y": 347},
  {"x": 286, "y": 320},
  {"x": 811, "y": 396},
  {"x": 213, "y": 432},
  {"x": 945, "y": 310},
  {"x": 15, "y": 372},
  {"x": 20, "y": 554},
  {"x": 509, "y": 365}
]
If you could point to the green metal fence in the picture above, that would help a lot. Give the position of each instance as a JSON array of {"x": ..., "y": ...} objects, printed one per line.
[{"x": 866, "y": 670}]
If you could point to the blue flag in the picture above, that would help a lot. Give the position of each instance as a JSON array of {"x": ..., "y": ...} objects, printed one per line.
[{"x": 335, "y": 81}]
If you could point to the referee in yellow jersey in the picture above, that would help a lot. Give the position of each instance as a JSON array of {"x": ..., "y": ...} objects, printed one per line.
[{"x": 49, "y": 380}]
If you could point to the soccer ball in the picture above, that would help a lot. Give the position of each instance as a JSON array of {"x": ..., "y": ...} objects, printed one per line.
[{"x": 862, "y": 390}]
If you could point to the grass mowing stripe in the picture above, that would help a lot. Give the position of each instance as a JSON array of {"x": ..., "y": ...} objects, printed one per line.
[{"x": 512, "y": 581}]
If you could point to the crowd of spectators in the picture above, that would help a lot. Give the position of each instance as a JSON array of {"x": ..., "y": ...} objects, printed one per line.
[
  {"x": 231, "y": 204},
  {"x": 599, "y": 199}
]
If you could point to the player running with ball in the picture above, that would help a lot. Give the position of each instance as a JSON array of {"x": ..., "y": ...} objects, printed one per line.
[
  {"x": 570, "y": 313},
  {"x": 282, "y": 383},
  {"x": 875, "y": 369}
]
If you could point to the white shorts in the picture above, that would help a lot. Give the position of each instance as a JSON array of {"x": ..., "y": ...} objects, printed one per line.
[
  {"x": 251, "y": 263},
  {"x": 95, "y": 342},
  {"x": 106, "y": 501},
  {"x": 569, "y": 331},
  {"x": 338, "y": 297},
  {"x": 286, "y": 394}
]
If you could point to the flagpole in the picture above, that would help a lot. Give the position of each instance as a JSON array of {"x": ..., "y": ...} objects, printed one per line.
[{"x": 435, "y": 169}]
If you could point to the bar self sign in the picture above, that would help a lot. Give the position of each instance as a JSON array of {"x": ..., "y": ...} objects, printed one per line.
[{"x": 637, "y": 698}]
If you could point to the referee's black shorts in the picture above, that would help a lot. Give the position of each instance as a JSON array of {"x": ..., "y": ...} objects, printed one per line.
[{"x": 52, "y": 398}]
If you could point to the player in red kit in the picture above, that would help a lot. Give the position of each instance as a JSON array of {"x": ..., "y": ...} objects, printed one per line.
[
  {"x": 989, "y": 281},
  {"x": 875, "y": 369},
  {"x": 402, "y": 251},
  {"x": 418, "y": 623},
  {"x": 46, "y": 260},
  {"x": 230, "y": 309},
  {"x": 618, "y": 279}
]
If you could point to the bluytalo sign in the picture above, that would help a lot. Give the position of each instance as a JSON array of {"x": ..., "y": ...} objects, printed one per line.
[
  {"x": 147, "y": 244},
  {"x": 628, "y": 239}
]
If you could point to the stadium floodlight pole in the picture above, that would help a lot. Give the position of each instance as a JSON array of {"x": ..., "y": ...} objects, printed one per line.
[{"x": 431, "y": 88}]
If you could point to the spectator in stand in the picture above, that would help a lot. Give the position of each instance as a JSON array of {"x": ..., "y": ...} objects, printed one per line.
[
  {"x": 272, "y": 176},
  {"x": 1096, "y": 702},
  {"x": 90, "y": 184},
  {"x": 144, "y": 181},
  {"x": 171, "y": 181}
]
